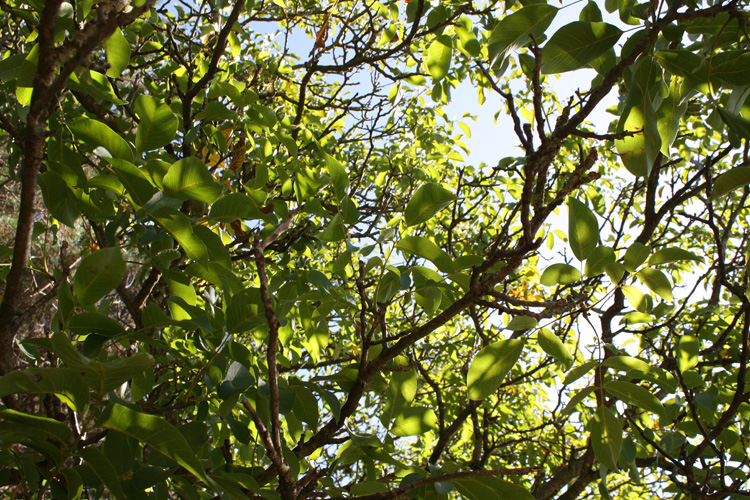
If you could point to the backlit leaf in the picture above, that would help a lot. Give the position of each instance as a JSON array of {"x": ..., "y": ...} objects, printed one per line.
[
  {"x": 490, "y": 366},
  {"x": 414, "y": 421},
  {"x": 513, "y": 31},
  {"x": 560, "y": 274},
  {"x": 636, "y": 396},
  {"x": 118, "y": 53},
  {"x": 425, "y": 248},
  {"x": 439, "y": 57},
  {"x": 606, "y": 437},
  {"x": 427, "y": 201},
  {"x": 583, "y": 229},
  {"x": 657, "y": 282},
  {"x": 553, "y": 346}
]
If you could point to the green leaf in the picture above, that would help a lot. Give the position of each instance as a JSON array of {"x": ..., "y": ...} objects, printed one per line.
[
  {"x": 58, "y": 198},
  {"x": 67, "y": 383},
  {"x": 426, "y": 249},
  {"x": 727, "y": 182},
  {"x": 439, "y": 57},
  {"x": 490, "y": 366},
  {"x": 673, "y": 254},
  {"x": 158, "y": 124},
  {"x": 190, "y": 178},
  {"x": 576, "y": 44},
  {"x": 156, "y": 433},
  {"x": 137, "y": 184},
  {"x": 103, "y": 469},
  {"x": 688, "y": 348},
  {"x": 577, "y": 399},
  {"x": 732, "y": 68},
  {"x": 339, "y": 177},
  {"x": 513, "y": 31},
  {"x": 98, "y": 274},
  {"x": 669, "y": 115},
  {"x": 598, "y": 260},
  {"x": 112, "y": 374},
  {"x": 178, "y": 225},
  {"x": 414, "y": 421},
  {"x": 583, "y": 229},
  {"x": 88, "y": 322},
  {"x": 36, "y": 425},
  {"x": 118, "y": 53},
  {"x": 657, "y": 282},
  {"x": 245, "y": 311},
  {"x": 96, "y": 85},
  {"x": 606, "y": 437},
  {"x": 401, "y": 392},
  {"x": 636, "y": 396},
  {"x": 553, "y": 346},
  {"x": 235, "y": 206},
  {"x": 490, "y": 488},
  {"x": 519, "y": 323},
  {"x": 98, "y": 134},
  {"x": 334, "y": 231},
  {"x": 736, "y": 123},
  {"x": 579, "y": 371},
  {"x": 560, "y": 274},
  {"x": 636, "y": 255},
  {"x": 427, "y": 201}
]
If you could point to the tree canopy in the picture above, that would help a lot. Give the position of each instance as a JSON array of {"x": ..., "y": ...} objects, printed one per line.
[{"x": 247, "y": 254}]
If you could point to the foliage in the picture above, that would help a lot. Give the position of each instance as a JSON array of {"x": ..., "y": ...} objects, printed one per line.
[{"x": 243, "y": 271}]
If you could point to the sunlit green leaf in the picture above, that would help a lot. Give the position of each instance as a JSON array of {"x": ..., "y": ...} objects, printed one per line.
[
  {"x": 521, "y": 323},
  {"x": 674, "y": 254},
  {"x": 490, "y": 488},
  {"x": 688, "y": 348},
  {"x": 190, "y": 178},
  {"x": 636, "y": 255},
  {"x": 158, "y": 124},
  {"x": 178, "y": 225},
  {"x": 98, "y": 134}
]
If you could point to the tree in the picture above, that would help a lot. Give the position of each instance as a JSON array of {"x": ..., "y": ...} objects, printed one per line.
[{"x": 243, "y": 271}]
